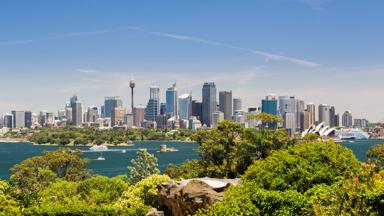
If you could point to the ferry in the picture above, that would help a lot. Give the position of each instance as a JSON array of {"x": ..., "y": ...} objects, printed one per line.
[
  {"x": 98, "y": 148},
  {"x": 351, "y": 134}
]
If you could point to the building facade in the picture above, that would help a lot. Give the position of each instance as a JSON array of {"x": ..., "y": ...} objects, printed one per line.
[
  {"x": 225, "y": 104},
  {"x": 209, "y": 102}
]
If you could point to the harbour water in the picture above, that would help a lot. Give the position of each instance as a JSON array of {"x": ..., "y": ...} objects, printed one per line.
[{"x": 116, "y": 161}]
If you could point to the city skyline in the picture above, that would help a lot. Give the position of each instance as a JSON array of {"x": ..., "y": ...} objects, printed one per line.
[{"x": 94, "y": 53}]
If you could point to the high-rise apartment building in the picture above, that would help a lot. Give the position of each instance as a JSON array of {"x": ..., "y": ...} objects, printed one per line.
[
  {"x": 171, "y": 101},
  {"x": 347, "y": 119},
  {"x": 311, "y": 108},
  {"x": 209, "y": 102},
  {"x": 225, "y": 104}
]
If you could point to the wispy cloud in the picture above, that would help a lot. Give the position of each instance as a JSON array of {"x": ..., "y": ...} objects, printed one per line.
[
  {"x": 268, "y": 56},
  {"x": 59, "y": 36},
  {"x": 315, "y": 4},
  {"x": 86, "y": 71}
]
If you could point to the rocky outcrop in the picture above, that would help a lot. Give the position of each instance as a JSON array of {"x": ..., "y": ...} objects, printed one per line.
[
  {"x": 188, "y": 196},
  {"x": 154, "y": 212}
]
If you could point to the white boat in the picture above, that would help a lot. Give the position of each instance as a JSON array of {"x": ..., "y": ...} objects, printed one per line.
[
  {"x": 123, "y": 151},
  {"x": 100, "y": 158},
  {"x": 99, "y": 148}
]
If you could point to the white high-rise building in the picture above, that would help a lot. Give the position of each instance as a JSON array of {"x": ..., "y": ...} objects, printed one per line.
[
  {"x": 185, "y": 106},
  {"x": 324, "y": 115}
]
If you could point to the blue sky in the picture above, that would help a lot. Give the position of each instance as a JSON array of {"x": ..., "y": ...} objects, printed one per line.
[{"x": 322, "y": 51}]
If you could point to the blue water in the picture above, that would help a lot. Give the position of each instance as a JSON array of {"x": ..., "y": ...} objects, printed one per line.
[{"x": 115, "y": 162}]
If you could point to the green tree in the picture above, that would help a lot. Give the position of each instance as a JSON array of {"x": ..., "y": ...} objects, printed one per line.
[
  {"x": 375, "y": 154},
  {"x": 268, "y": 120},
  {"x": 145, "y": 164}
]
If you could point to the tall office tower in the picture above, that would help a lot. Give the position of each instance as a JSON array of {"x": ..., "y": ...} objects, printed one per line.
[
  {"x": 92, "y": 114},
  {"x": 185, "y": 106},
  {"x": 132, "y": 85},
  {"x": 289, "y": 105},
  {"x": 337, "y": 120},
  {"x": 197, "y": 109},
  {"x": 269, "y": 105},
  {"x": 102, "y": 111},
  {"x": 300, "y": 109},
  {"x": 324, "y": 114},
  {"x": 171, "y": 100},
  {"x": 18, "y": 119},
  {"x": 8, "y": 120},
  {"x": 43, "y": 117},
  {"x": 163, "y": 109},
  {"x": 311, "y": 108},
  {"x": 68, "y": 114},
  {"x": 225, "y": 104},
  {"x": 217, "y": 117},
  {"x": 153, "y": 107},
  {"x": 237, "y": 105},
  {"x": 28, "y": 119},
  {"x": 209, "y": 102},
  {"x": 77, "y": 114},
  {"x": 50, "y": 118},
  {"x": 332, "y": 114},
  {"x": 290, "y": 122},
  {"x": 117, "y": 116},
  {"x": 305, "y": 118},
  {"x": 110, "y": 103},
  {"x": 347, "y": 119},
  {"x": 138, "y": 115}
]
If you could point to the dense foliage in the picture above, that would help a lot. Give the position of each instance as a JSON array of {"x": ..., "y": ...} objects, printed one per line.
[
  {"x": 89, "y": 135},
  {"x": 145, "y": 165}
]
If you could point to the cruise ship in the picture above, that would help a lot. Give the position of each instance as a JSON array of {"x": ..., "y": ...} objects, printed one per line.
[{"x": 351, "y": 134}]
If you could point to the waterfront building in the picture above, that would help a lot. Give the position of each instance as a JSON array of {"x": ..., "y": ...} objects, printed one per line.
[
  {"x": 217, "y": 117},
  {"x": 28, "y": 119},
  {"x": 209, "y": 102},
  {"x": 117, "y": 116},
  {"x": 225, "y": 104},
  {"x": 138, "y": 115},
  {"x": 171, "y": 101},
  {"x": 153, "y": 106},
  {"x": 18, "y": 119},
  {"x": 269, "y": 105},
  {"x": 185, "y": 106},
  {"x": 110, "y": 103},
  {"x": 347, "y": 119},
  {"x": 360, "y": 123},
  {"x": 8, "y": 120},
  {"x": 237, "y": 105},
  {"x": 324, "y": 114},
  {"x": 197, "y": 109},
  {"x": 194, "y": 123}
]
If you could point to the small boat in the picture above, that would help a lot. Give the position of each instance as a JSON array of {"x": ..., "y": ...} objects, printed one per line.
[
  {"x": 123, "y": 151},
  {"x": 101, "y": 158}
]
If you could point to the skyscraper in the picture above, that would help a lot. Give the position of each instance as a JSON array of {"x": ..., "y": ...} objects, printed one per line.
[
  {"x": 68, "y": 113},
  {"x": 8, "y": 120},
  {"x": 153, "y": 106},
  {"x": 77, "y": 114},
  {"x": 269, "y": 105},
  {"x": 138, "y": 115},
  {"x": 288, "y": 108},
  {"x": 117, "y": 116},
  {"x": 92, "y": 114},
  {"x": 18, "y": 119},
  {"x": 237, "y": 105},
  {"x": 332, "y": 113},
  {"x": 217, "y": 117},
  {"x": 185, "y": 106},
  {"x": 197, "y": 109},
  {"x": 225, "y": 104},
  {"x": 305, "y": 118},
  {"x": 311, "y": 108},
  {"x": 324, "y": 114},
  {"x": 110, "y": 103},
  {"x": 28, "y": 119},
  {"x": 171, "y": 101},
  {"x": 347, "y": 119},
  {"x": 209, "y": 102}
]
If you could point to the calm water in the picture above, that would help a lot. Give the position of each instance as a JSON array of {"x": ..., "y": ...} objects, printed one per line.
[{"x": 116, "y": 162}]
